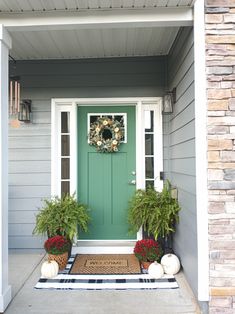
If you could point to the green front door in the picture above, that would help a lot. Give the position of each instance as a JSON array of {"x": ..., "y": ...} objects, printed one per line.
[{"x": 105, "y": 180}]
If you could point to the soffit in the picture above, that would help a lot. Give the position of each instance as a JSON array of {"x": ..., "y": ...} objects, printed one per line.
[
  {"x": 9, "y": 6},
  {"x": 92, "y": 43}
]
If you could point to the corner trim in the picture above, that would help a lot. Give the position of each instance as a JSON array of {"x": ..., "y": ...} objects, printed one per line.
[
  {"x": 201, "y": 151},
  {"x": 5, "y": 299}
]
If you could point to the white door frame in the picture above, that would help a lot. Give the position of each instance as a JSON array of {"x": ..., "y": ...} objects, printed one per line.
[{"x": 70, "y": 105}]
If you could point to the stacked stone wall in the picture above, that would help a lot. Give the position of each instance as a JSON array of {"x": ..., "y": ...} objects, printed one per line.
[{"x": 220, "y": 69}]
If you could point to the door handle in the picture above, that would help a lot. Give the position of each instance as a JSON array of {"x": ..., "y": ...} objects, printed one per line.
[{"x": 132, "y": 182}]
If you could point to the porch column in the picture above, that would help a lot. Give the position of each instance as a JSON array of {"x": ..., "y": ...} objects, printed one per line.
[{"x": 5, "y": 289}]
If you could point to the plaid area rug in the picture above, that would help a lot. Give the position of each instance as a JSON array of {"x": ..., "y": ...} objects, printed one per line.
[{"x": 65, "y": 281}]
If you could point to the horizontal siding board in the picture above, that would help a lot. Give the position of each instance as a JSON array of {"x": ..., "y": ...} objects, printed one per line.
[
  {"x": 24, "y": 204},
  {"x": 188, "y": 200},
  {"x": 183, "y": 134},
  {"x": 30, "y": 142},
  {"x": 183, "y": 150},
  {"x": 183, "y": 226},
  {"x": 185, "y": 116},
  {"x": 184, "y": 182},
  {"x": 31, "y": 167},
  {"x": 185, "y": 241},
  {"x": 30, "y": 179},
  {"x": 16, "y": 192},
  {"x": 43, "y": 117},
  {"x": 24, "y": 217},
  {"x": 187, "y": 215},
  {"x": 26, "y": 242},
  {"x": 184, "y": 166},
  {"x": 41, "y": 105},
  {"x": 29, "y": 154},
  {"x": 187, "y": 99},
  {"x": 30, "y": 130},
  {"x": 21, "y": 229}
]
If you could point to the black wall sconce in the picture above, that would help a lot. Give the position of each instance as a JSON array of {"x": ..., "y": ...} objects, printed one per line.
[
  {"x": 169, "y": 99},
  {"x": 24, "y": 113}
]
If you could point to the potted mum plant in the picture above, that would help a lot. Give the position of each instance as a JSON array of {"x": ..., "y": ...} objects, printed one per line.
[
  {"x": 64, "y": 216},
  {"x": 57, "y": 249},
  {"x": 156, "y": 212},
  {"x": 147, "y": 251}
]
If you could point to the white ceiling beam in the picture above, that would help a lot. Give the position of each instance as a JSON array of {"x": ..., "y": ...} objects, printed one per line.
[{"x": 129, "y": 18}]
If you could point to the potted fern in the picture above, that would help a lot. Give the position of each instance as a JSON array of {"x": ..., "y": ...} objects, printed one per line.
[
  {"x": 64, "y": 216},
  {"x": 156, "y": 212}
]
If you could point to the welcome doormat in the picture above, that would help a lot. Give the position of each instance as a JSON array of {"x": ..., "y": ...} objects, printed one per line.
[
  {"x": 66, "y": 281},
  {"x": 100, "y": 264}
]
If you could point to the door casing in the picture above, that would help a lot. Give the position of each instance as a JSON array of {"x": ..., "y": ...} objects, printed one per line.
[{"x": 59, "y": 105}]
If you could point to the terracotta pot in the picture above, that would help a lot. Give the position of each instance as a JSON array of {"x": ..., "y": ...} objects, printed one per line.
[
  {"x": 146, "y": 265},
  {"x": 61, "y": 259}
]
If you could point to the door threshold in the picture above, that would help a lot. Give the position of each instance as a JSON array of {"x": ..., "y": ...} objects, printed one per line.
[{"x": 104, "y": 247}]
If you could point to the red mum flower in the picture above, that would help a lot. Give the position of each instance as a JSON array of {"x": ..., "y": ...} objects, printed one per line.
[
  {"x": 56, "y": 245},
  {"x": 148, "y": 250}
]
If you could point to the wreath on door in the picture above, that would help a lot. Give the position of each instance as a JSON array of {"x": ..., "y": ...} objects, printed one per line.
[{"x": 106, "y": 134}]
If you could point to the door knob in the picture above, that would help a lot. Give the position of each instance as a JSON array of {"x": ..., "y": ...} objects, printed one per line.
[{"x": 132, "y": 182}]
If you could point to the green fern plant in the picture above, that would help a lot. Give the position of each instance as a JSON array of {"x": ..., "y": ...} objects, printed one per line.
[
  {"x": 156, "y": 212},
  {"x": 62, "y": 216}
]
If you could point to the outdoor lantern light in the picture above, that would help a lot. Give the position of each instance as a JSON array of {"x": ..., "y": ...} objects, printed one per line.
[
  {"x": 24, "y": 110},
  {"x": 168, "y": 100}
]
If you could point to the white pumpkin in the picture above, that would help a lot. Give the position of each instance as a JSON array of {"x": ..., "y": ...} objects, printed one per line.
[
  {"x": 155, "y": 270},
  {"x": 171, "y": 264},
  {"x": 49, "y": 269}
]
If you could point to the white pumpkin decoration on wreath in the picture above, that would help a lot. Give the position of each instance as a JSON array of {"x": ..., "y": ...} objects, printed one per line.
[
  {"x": 155, "y": 270},
  {"x": 106, "y": 135},
  {"x": 171, "y": 264},
  {"x": 49, "y": 269}
]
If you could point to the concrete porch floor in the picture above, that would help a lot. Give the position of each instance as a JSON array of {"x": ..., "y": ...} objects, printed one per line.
[{"x": 24, "y": 271}]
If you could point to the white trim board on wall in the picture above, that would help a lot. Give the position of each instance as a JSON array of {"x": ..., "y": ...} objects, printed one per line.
[{"x": 201, "y": 151}]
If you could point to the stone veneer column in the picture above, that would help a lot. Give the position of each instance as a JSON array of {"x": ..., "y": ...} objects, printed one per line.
[{"x": 220, "y": 67}]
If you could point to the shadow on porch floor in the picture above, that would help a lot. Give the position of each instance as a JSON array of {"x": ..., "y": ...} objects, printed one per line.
[{"x": 24, "y": 271}]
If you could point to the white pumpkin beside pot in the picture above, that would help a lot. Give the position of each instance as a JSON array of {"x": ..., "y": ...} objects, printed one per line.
[
  {"x": 155, "y": 270},
  {"x": 170, "y": 264},
  {"x": 49, "y": 269}
]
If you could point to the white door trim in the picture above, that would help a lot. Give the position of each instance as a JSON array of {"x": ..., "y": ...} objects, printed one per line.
[{"x": 70, "y": 105}]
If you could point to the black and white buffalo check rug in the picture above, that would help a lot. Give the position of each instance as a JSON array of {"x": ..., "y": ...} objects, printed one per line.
[{"x": 65, "y": 281}]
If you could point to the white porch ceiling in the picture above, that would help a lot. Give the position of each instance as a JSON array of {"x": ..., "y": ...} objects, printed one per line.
[
  {"x": 74, "y": 5},
  {"x": 92, "y": 43},
  {"x": 71, "y": 29}
]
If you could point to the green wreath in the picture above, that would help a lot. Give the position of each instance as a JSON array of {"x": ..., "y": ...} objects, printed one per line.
[{"x": 106, "y": 135}]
